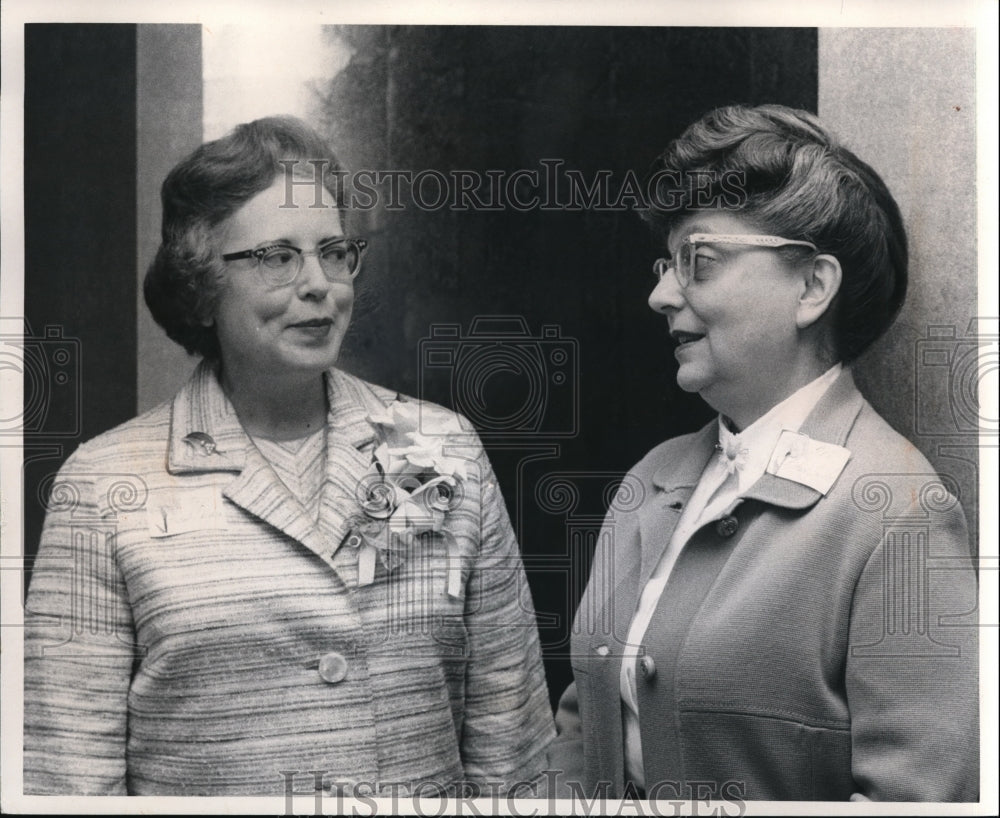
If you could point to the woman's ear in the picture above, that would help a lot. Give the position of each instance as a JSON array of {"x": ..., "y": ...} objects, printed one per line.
[
  {"x": 206, "y": 311},
  {"x": 821, "y": 285}
]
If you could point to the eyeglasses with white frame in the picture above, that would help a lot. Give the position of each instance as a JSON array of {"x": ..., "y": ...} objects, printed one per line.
[
  {"x": 685, "y": 264},
  {"x": 280, "y": 264}
]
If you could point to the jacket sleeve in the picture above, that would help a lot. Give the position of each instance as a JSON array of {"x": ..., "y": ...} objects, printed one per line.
[
  {"x": 912, "y": 664},
  {"x": 566, "y": 757},
  {"x": 78, "y": 648},
  {"x": 508, "y": 719},
  {"x": 575, "y": 756}
]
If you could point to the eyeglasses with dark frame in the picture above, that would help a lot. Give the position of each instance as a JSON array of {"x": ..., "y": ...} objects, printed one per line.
[
  {"x": 685, "y": 265},
  {"x": 280, "y": 264}
]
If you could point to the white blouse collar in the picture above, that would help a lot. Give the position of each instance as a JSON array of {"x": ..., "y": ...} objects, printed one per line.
[{"x": 749, "y": 451}]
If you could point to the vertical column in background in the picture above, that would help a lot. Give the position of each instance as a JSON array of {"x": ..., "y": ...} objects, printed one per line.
[
  {"x": 168, "y": 98},
  {"x": 195, "y": 84},
  {"x": 79, "y": 243},
  {"x": 904, "y": 100}
]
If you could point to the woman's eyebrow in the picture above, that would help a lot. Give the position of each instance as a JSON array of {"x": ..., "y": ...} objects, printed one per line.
[
  {"x": 284, "y": 240},
  {"x": 690, "y": 231},
  {"x": 271, "y": 242},
  {"x": 698, "y": 228}
]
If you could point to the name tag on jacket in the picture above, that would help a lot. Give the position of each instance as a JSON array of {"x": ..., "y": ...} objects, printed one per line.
[
  {"x": 180, "y": 512},
  {"x": 812, "y": 463}
]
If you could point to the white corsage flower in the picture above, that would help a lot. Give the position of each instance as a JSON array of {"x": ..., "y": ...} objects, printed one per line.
[{"x": 411, "y": 486}]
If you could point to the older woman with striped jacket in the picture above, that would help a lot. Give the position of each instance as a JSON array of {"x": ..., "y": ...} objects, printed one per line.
[{"x": 285, "y": 579}]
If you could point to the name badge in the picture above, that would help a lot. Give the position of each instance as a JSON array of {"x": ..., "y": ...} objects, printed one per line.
[
  {"x": 813, "y": 463},
  {"x": 181, "y": 512}
]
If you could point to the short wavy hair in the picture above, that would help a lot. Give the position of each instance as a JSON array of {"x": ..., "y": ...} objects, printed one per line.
[
  {"x": 784, "y": 171},
  {"x": 199, "y": 194}
]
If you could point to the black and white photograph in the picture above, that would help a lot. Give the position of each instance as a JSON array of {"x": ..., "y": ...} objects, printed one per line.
[{"x": 459, "y": 409}]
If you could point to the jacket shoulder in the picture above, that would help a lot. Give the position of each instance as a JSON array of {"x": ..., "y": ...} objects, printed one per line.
[
  {"x": 372, "y": 390},
  {"x": 876, "y": 445},
  {"x": 385, "y": 396},
  {"x": 670, "y": 451},
  {"x": 121, "y": 443},
  {"x": 889, "y": 474}
]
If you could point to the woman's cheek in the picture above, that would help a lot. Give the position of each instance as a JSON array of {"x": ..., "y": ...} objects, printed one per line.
[{"x": 274, "y": 305}]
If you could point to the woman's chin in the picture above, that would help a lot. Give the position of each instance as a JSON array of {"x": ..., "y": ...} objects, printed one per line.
[
  {"x": 691, "y": 380},
  {"x": 317, "y": 357},
  {"x": 292, "y": 369}
]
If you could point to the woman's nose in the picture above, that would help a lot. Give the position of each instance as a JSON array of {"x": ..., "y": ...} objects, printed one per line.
[
  {"x": 312, "y": 281},
  {"x": 667, "y": 294}
]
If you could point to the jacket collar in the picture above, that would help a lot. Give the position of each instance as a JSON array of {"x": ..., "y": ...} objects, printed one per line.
[
  {"x": 675, "y": 480},
  {"x": 830, "y": 421},
  {"x": 205, "y": 432},
  {"x": 206, "y": 436}
]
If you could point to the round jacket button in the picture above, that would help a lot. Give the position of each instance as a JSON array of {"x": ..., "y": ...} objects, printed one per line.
[
  {"x": 648, "y": 667},
  {"x": 332, "y": 667},
  {"x": 602, "y": 650},
  {"x": 727, "y": 526}
]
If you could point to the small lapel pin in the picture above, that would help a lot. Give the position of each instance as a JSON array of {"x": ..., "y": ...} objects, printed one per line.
[
  {"x": 732, "y": 455},
  {"x": 201, "y": 443}
]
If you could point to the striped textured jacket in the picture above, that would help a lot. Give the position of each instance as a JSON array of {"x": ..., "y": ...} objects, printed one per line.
[{"x": 191, "y": 631}]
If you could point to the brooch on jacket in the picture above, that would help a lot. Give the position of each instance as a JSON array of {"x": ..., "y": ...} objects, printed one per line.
[
  {"x": 408, "y": 491},
  {"x": 202, "y": 443}
]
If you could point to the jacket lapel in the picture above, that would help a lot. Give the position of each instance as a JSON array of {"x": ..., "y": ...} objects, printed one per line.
[
  {"x": 673, "y": 483},
  {"x": 259, "y": 491},
  {"x": 350, "y": 445},
  {"x": 830, "y": 422}
]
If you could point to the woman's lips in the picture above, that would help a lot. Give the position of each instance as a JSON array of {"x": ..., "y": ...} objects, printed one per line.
[
  {"x": 317, "y": 327},
  {"x": 685, "y": 340}
]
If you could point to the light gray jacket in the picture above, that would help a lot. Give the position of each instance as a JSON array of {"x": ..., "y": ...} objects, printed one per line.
[{"x": 818, "y": 647}]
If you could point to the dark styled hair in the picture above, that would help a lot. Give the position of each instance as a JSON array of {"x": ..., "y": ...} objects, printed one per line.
[
  {"x": 199, "y": 194},
  {"x": 780, "y": 168}
]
